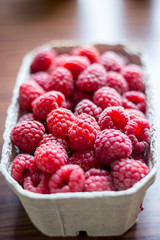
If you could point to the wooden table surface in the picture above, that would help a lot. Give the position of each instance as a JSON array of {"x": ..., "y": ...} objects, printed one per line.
[{"x": 25, "y": 24}]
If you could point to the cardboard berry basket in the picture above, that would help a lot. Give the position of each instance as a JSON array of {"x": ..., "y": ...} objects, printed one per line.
[{"x": 96, "y": 213}]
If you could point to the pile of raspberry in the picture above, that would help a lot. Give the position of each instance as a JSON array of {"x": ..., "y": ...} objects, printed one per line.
[{"x": 83, "y": 126}]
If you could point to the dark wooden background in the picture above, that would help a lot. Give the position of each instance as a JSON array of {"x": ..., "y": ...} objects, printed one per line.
[{"x": 25, "y": 24}]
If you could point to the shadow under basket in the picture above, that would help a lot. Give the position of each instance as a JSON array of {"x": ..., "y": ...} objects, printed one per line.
[{"x": 93, "y": 213}]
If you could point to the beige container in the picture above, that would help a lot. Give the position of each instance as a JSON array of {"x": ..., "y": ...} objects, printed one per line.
[{"x": 67, "y": 214}]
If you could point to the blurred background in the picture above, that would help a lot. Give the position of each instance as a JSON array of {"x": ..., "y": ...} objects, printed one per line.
[{"x": 26, "y": 24}]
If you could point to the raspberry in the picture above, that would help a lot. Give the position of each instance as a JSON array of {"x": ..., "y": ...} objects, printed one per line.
[
  {"x": 92, "y": 78},
  {"x": 106, "y": 97},
  {"x": 42, "y": 78},
  {"x": 97, "y": 183},
  {"x": 138, "y": 130},
  {"x": 26, "y": 135},
  {"x": 69, "y": 178},
  {"x": 50, "y": 157},
  {"x": 61, "y": 80},
  {"x": 76, "y": 64},
  {"x": 78, "y": 96},
  {"x": 50, "y": 138},
  {"x": 59, "y": 121},
  {"x": 22, "y": 164},
  {"x": 139, "y": 156},
  {"x": 111, "y": 144},
  {"x": 59, "y": 61},
  {"x": 28, "y": 92},
  {"x": 85, "y": 159},
  {"x": 134, "y": 76},
  {"x": 116, "y": 81},
  {"x": 88, "y": 51},
  {"x": 69, "y": 104},
  {"x": 133, "y": 113},
  {"x": 42, "y": 186},
  {"x": 46, "y": 103},
  {"x": 28, "y": 117},
  {"x": 113, "y": 117},
  {"x": 87, "y": 106},
  {"x": 112, "y": 61},
  {"x": 134, "y": 100},
  {"x": 82, "y": 133},
  {"x": 42, "y": 61},
  {"x": 126, "y": 172}
]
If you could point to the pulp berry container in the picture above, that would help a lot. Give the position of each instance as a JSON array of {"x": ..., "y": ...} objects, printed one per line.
[{"x": 67, "y": 214}]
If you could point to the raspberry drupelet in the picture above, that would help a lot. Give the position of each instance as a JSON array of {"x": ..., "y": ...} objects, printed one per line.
[
  {"x": 126, "y": 172},
  {"x": 26, "y": 135},
  {"x": 59, "y": 121},
  {"x": 87, "y": 106},
  {"x": 92, "y": 78},
  {"x": 69, "y": 178},
  {"x": 83, "y": 132},
  {"x": 111, "y": 144},
  {"x": 50, "y": 157}
]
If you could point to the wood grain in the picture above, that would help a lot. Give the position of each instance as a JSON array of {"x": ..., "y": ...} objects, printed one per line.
[{"x": 26, "y": 24}]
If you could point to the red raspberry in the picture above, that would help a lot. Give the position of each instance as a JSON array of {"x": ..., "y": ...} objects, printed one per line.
[
  {"x": 90, "y": 52},
  {"x": 83, "y": 132},
  {"x": 134, "y": 100},
  {"x": 96, "y": 172},
  {"x": 133, "y": 113},
  {"x": 112, "y": 61},
  {"x": 28, "y": 92},
  {"x": 50, "y": 157},
  {"x": 78, "y": 96},
  {"x": 97, "y": 183},
  {"x": 50, "y": 138},
  {"x": 87, "y": 106},
  {"x": 134, "y": 76},
  {"x": 42, "y": 61},
  {"x": 42, "y": 78},
  {"x": 69, "y": 178},
  {"x": 28, "y": 117},
  {"x": 46, "y": 103},
  {"x": 42, "y": 186},
  {"x": 59, "y": 121},
  {"x": 113, "y": 117},
  {"x": 61, "y": 80},
  {"x": 76, "y": 64},
  {"x": 139, "y": 157},
  {"x": 126, "y": 172},
  {"x": 138, "y": 130},
  {"x": 92, "y": 78},
  {"x": 22, "y": 164},
  {"x": 106, "y": 97},
  {"x": 59, "y": 61},
  {"x": 111, "y": 144},
  {"x": 85, "y": 159},
  {"x": 26, "y": 135},
  {"x": 116, "y": 81}
]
